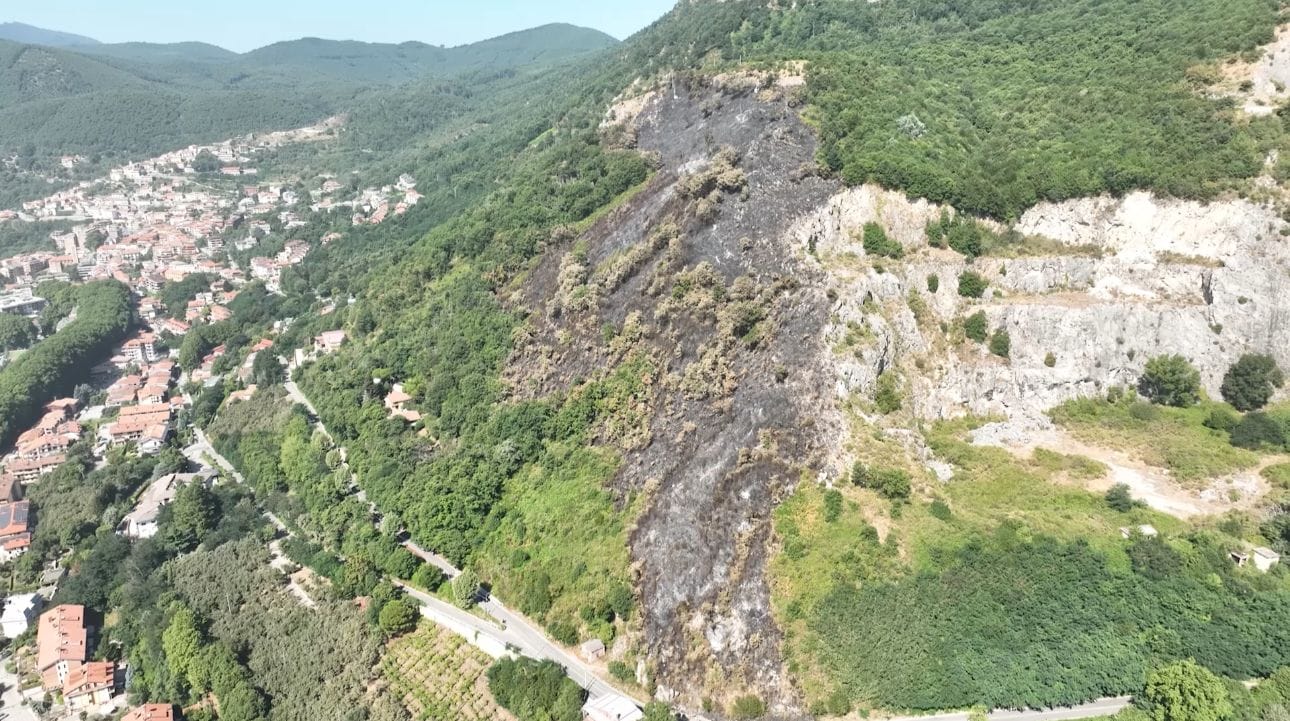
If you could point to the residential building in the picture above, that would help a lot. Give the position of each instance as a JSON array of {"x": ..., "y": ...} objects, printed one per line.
[
  {"x": 330, "y": 341},
  {"x": 142, "y": 521},
  {"x": 397, "y": 402},
  {"x": 30, "y": 471},
  {"x": 90, "y": 684},
  {"x": 63, "y": 642},
  {"x": 15, "y": 529}
]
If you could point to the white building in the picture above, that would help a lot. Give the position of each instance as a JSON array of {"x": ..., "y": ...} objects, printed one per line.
[
  {"x": 611, "y": 707},
  {"x": 19, "y": 612}
]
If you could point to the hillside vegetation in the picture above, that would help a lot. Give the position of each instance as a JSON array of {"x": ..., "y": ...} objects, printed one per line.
[{"x": 54, "y": 366}]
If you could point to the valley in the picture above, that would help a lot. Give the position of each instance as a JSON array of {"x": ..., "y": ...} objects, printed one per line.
[{"x": 833, "y": 360}]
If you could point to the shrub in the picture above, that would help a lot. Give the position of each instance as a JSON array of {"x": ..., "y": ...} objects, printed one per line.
[
  {"x": 887, "y": 396},
  {"x": 622, "y": 672},
  {"x": 1251, "y": 381},
  {"x": 1001, "y": 343},
  {"x": 890, "y": 483},
  {"x": 1153, "y": 558},
  {"x": 563, "y": 631},
  {"x": 748, "y": 707},
  {"x": 933, "y": 283},
  {"x": 876, "y": 242},
  {"x": 832, "y": 505},
  {"x": 1119, "y": 498},
  {"x": 1170, "y": 380},
  {"x": 971, "y": 284},
  {"x": 1258, "y": 430},
  {"x": 1221, "y": 419},
  {"x": 940, "y": 510},
  {"x": 976, "y": 326},
  {"x": 1143, "y": 411}
]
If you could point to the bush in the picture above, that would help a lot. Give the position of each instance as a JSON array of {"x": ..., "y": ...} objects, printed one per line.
[
  {"x": 622, "y": 672},
  {"x": 1251, "y": 381},
  {"x": 832, "y": 505},
  {"x": 976, "y": 326},
  {"x": 1119, "y": 498},
  {"x": 887, "y": 396},
  {"x": 933, "y": 283},
  {"x": 748, "y": 707},
  {"x": 1001, "y": 343},
  {"x": 940, "y": 510},
  {"x": 890, "y": 483},
  {"x": 877, "y": 243},
  {"x": 972, "y": 284},
  {"x": 1170, "y": 380},
  {"x": 563, "y": 631},
  {"x": 1221, "y": 419},
  {"x": 1258, "y": 431}
]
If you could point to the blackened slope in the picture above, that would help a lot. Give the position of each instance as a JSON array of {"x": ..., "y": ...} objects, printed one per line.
[{"x": 717, "y": 460}]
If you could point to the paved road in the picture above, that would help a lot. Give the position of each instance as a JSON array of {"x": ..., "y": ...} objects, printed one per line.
[
  {"x": 518, "y": 632},
  {"x": 515, "y": 632},
  {"x": 11, "y": 708},
  {"x": 1092, "y": 709}
]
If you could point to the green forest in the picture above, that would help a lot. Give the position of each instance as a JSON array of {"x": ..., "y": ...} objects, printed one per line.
[{"x": 57, "y": 364}]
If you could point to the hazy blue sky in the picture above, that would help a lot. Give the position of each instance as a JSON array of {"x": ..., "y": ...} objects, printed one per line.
[{"x": 246, "y": 24}]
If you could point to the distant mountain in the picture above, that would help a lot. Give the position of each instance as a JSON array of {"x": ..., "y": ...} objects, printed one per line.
[
  {"x": 161, "y": 52},
  {"x": 141, "y": 98},
  {"x": 32, "y": 35}
]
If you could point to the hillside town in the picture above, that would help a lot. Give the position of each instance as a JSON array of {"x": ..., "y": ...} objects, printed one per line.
[{"x": 200, "y": 213}]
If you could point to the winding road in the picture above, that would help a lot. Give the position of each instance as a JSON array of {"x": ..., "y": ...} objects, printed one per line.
[{"x": 515, "y": 632}]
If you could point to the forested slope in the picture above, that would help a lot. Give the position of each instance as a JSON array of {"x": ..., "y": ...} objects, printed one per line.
[
  {"x": 54, "y": 366},
  {"x": 509, "y": 326}
]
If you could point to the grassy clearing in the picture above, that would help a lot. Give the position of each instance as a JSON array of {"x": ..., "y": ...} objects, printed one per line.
[
  {"x": 993, "y": 491},
  {"x": 1171, "y": 438},
  {"x": 551, "y": 568},
  {"x": 439, "y": 677}
]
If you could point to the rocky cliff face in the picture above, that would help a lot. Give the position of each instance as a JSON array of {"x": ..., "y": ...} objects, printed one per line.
[
  {"x": 1123, "y": 279},
  {"x": 738, "y": 285}
]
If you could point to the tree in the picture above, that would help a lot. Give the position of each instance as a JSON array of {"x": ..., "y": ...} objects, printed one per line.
[
  {"x": 182, "y": 644},
  {"x": 1186, "y": 691},
  {"x": 16, "y": 332},
  {"x": 877, "y": 243},
  {"x": 972, "y": 284},
  {"x": 886, "y": 394},
  {"x": 976, "y": 326},
  {"x": 1001, "y": 343},
  {"x": 1251, "y": 381},
  {"x": 1170, "y": 380},
  {"x": 266, "y": 370},
  {"x": 397, "y": 617},
  {"x": 1258, "y": 430},
  {"x": 193, "y": 515},
  {"x": 465, "y": 588},
  {"x": 1119, "y": 498}
]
